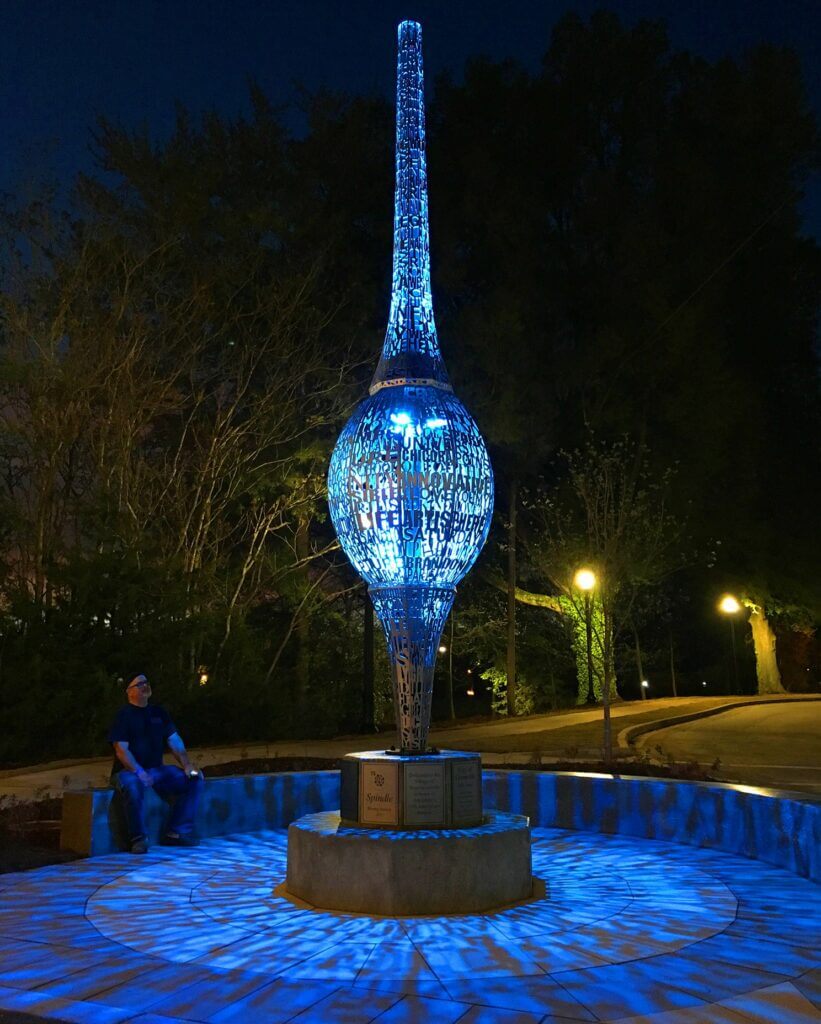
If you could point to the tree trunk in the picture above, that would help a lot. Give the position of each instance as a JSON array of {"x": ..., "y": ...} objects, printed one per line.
[
  {"x": 511, "y": 600},
  {"x": 367, "y": 667},
  {"x": 451, "y": 708},
  {"x": 672, "y": 666},
  {"x": 608, "y": 675},
  {"x": 639, "y": 666},
  {"x": 303, "y": 632},
  {"x": 767, "y": 671}
]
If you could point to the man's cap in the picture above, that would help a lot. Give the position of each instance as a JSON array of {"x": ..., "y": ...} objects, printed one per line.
[{"x": 129, "y": 679}]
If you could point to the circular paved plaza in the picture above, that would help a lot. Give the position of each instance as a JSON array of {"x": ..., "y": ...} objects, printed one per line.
[{"x": 628, "y": 930}]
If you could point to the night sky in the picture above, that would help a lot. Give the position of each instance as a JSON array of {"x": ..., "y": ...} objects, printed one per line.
[{"x": 63, "y": 62}]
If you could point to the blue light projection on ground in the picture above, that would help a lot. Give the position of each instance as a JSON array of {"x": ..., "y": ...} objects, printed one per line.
[
  {"x": 410, "y": 486},
  {"x": 628, "y": 927}
]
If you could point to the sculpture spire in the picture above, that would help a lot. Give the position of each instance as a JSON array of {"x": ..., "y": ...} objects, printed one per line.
[
  {"x": 410, "y": 486},
  {"x": 410, "y": 354}
]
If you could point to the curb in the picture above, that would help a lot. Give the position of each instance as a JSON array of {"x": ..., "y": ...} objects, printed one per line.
[{"x": 627, "y": 737}]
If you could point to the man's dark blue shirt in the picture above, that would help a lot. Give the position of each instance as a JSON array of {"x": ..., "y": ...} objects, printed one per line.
[{"x": 145, "y": 730}]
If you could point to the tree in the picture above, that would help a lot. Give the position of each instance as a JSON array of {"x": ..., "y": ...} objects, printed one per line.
[
  {"x": 612, "y": 515},
  {"x": 618, "y": 247}
]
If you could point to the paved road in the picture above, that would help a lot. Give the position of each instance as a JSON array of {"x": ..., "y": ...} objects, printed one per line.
[
  {"x": 766, "y": 745},
  {"x": 785, "y": 759},
  {"x": 50, "y": 780}
]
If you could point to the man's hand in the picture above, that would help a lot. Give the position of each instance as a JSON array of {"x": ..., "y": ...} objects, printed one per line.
[{"x": 146, "y": 778}]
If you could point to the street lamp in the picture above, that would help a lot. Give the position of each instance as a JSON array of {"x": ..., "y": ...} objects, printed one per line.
[
  {"x": 730, "y": 607},
  {"x": 645, "y": 686},
  {"x": 585, "y": 580}
]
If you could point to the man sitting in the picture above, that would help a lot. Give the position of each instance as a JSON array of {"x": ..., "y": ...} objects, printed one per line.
[{"x": 140, "y": 733}]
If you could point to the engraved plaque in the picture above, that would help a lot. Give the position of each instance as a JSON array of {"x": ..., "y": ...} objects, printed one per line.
[
  {"x": 466, "y": 787},
  {"x": 425, "y": 794},
  {"x": 379, "y": 793}
]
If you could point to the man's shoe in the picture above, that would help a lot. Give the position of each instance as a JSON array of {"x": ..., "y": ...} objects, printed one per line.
[
  {"x": 172, "y": 839},
  {"x": 139, "y": 846}
]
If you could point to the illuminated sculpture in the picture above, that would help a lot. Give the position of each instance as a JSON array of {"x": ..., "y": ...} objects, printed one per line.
[{"x": 410, "y": 483}]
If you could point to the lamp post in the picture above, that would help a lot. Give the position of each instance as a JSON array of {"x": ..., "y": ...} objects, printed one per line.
[
  {"x": 730, "y": 607},
  {"x": 645, "y": 686},
  {"x": 585, "y": 580}
]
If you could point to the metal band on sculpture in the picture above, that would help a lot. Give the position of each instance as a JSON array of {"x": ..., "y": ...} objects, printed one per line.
[
  {"x": 410, "y": 486},
  {"x": 416, "y": 382}
]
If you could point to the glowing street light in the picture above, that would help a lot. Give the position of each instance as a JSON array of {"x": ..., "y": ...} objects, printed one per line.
[
  {"x": 645, "y": 686},
  {"x": 585, "y": 580},
  {"x": 442, "y": 648},
  {"x": 730, "y": 607}
]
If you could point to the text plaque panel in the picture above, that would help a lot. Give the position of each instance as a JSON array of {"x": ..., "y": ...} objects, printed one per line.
[
  {"x": 424, "y": 794},
  {"x": 379, "y": 793},
  {"x": 467, "y": 791}
]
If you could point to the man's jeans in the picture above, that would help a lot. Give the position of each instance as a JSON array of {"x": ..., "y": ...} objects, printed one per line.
[{"x": 169, "y": 781}]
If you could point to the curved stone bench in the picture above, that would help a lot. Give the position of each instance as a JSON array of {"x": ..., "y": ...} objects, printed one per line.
[
  {"x": 92, "y": 822},
  {"x": 774, "y": 826}
]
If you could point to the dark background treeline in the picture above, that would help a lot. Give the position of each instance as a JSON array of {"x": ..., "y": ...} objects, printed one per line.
[{"x": 616, "y": 253}]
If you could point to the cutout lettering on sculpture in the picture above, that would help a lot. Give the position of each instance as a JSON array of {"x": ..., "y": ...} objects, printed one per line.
[{"x": 410, "y": 486}]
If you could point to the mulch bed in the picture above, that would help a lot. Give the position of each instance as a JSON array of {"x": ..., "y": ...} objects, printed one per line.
[
  {"x": 690, "y": 772},
  {"x": 30, "y": 834}
]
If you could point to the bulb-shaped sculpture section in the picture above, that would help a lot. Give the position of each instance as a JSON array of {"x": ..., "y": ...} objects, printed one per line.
[{"x": 410, "y": 485}]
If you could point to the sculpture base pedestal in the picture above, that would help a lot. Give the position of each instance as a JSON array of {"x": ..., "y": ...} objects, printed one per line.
[
  {"x": 381, "y": 790},
  {"x": 397, "y": 873}
]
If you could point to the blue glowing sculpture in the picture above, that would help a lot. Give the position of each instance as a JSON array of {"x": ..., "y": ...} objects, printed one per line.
[{"x": 410, "y": 485}]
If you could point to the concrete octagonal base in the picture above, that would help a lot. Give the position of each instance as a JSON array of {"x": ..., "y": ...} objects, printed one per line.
[{"x": 396, "y": 873}]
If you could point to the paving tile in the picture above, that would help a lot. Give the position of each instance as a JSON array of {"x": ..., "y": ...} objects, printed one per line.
[
  {"x": 15, "y": 956},
  {"x": 205, "y": 998},
  {"x": 488, "y": 1015},
  {"x": 41, "y": 970},
  {"x": 400, "y": 961},
  {"x": 150, "y": 987},
  {"x": 710, "y": 980},
  {"x": 417, "y": 1010},
  {"x": 17, "y": 1001},
  {"x": 404, "y": 986},
  {"x": 800, "y": 931},
  {"x": 610, "y": 899},
  {"x": 341, "y": 962},
  {"x": 267, "y": 953},
  {"x": 755, "y": 953},
  {"x": 84, "y": 984},
  {"x": 712, "y": 1013},
  {"x": 809, "y": 985},
  {"x": 539, "y": 995},
  {"x": 275, "y": 1003},
  {"x": 562, "y": 951},
  {"x": 484, "y": 955},
  {"x": 347, "y": 1006},
  {"x": 624, "y": 990},
  {"x": 778, "y": 1004},
  {"x": 158, "y": 1018}
]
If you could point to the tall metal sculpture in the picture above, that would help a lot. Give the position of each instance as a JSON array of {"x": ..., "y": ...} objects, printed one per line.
[{"x": 410, "y": 483}]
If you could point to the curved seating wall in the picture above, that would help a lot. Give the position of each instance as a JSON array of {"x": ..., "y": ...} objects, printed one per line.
[
  {"x": 779, "y": 828},
  {"x": 774, "y": 826}
]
